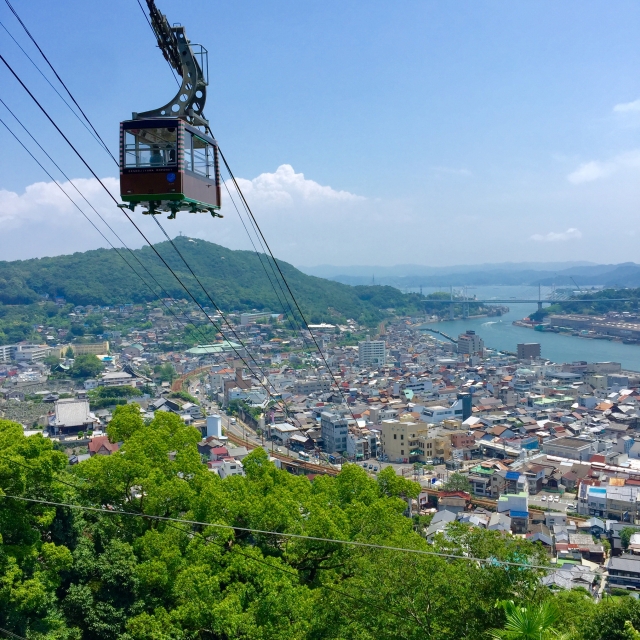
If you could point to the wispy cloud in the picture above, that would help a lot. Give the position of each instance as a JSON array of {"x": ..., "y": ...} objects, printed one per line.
[
  {"x": 563, "y": 236},
  {"x": 595, "y": 169},
  {"x": 626, "y": 107}
]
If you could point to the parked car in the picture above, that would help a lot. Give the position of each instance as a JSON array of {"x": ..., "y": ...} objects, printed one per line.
[
  {"x": 370, "y": 466},
  {"x": 544, "y": 498},
  {"x": 556, "y": 499},
  {"x": 375, "y": 469}
]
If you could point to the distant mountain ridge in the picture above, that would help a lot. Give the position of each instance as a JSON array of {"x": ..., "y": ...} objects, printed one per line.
[
  {"x": 560, "y": 274},
  {"x": 236, "y": 280}
]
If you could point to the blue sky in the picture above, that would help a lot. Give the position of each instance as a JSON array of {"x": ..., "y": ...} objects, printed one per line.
[{"x": 366, "y": 132}]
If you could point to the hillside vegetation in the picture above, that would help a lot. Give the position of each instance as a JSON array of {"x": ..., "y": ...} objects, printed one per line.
[
  {"x": 236, "y": 280},
  {"x": 109, "y": 573}
]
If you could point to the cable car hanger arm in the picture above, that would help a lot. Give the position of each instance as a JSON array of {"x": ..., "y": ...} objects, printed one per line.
[{"x": 189, "y": 102}]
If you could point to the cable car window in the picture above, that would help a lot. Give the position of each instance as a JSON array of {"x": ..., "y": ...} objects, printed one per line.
[
  {"x": 188, "y": 151},
  {"x": 201, "y": 156},
  {"x": 155, "y": 147}
]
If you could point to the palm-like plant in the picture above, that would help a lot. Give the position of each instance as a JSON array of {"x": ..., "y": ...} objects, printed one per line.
[{"x": 529, "y": 623}]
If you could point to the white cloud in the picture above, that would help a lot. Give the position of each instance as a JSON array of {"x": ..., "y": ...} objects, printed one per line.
[
  {"x": 626, "y": 107},
  {"x": 595, "y": 169},
  {"x": 286, "y": 188},
  {"x": 563, "y": 236},
  {"x": 292, "y": 210}
]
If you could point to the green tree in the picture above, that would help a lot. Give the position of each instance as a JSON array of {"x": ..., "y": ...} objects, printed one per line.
[
  {"x": 625, "y": 536},
  {"x": 86, "y": 366},
  {"x": 69, "y": 353},
  {"x": 529, "y": 623},
  {"x": 457, "y": 482},
  {"x": 165, "y": 372},
  {"x": 52, "y": 360}
]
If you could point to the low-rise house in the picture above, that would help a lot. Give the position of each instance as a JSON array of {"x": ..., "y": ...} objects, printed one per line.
[
  {"x": 624, "y": 572},
  {"x": 570, "y": 576},
  {"x": 439, "y": 523},
  {"x": 499, "y": 522},
  {"x": 100, "y": 446},
  {"x": 227, "y": 467}
]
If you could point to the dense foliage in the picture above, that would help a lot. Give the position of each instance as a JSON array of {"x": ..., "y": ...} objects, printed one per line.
[{"x": 105, "y": 575}]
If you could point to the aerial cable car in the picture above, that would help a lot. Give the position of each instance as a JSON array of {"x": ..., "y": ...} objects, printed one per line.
[{"x": 168, "y": 156}]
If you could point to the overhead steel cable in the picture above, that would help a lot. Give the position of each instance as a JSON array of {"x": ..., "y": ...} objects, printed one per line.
[
  {"x": 154, "y": 294},
  {"x": 146, "y": 17},
  {"x": 153, "y": 248},
  {"x": 106, "y": 149},
  {"x": 73, "y": 111},
  {"x": 293, "y": 536},
  {"x": 104, "y": 144},
  {"x": 248, "y": 208},
  {"x": 259, "y": 255},
  {"x": 217, "y": 308}
]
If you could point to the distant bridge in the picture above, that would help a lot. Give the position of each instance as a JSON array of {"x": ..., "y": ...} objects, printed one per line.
[{"x": 467, "y": 301}]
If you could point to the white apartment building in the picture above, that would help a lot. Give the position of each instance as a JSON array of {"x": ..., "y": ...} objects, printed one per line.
[
  {"x": 470, "y": 343},
  {"x": 30, "y": 352},
  {"x": 6, "y": 352},
  {"x": 372, "y": 352}
]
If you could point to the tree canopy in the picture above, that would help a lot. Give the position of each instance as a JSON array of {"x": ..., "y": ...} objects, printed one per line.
[{"x": 116, "y": 573}]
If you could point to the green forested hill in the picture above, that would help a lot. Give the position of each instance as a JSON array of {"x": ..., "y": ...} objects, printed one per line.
[{"x": 235, "y": 280}]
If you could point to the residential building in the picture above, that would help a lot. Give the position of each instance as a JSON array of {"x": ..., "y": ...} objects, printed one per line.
[
  {"x": 372, "y": 352},
  {"x": 334, "y": 429},
  {"x": 462, "y": 440},
  {"x": 30, "y": 352},
  {"x": 395, "y": 436},
  {"x": 252, "y": 318},
  {"x": 362, "y": 443},
  {"x": 528, "y": 350},
  {"x": 6, "y": 352},
  {"x": 624, "y": 572},
  {"x": 572, "y": 448},
  {"x": 312, "y": 385},
  {"x": 101, "y": 446},
  {"x": 227, "y": 467},
  {"x": 470, "y": 343},
  {"x": 438, "y": 413}
]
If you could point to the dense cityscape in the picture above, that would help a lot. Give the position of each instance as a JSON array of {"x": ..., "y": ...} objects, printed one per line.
[{"x": 506, "y": 442}]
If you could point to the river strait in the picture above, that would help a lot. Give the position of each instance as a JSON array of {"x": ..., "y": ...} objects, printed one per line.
[{"x": 500, "y": 333}]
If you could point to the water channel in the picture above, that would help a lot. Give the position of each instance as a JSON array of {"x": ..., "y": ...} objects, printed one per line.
[{"x": 500, "y": 333}]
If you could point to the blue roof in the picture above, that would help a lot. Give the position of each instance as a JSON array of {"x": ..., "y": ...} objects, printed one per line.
[
  {"x": 519, "y": 514},
  {"x": 512, "y": 475}
]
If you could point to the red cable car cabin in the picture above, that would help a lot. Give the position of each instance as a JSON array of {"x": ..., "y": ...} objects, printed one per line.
[{"x": 168, "y": 165}]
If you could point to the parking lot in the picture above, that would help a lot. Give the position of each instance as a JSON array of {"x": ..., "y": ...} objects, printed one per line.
[{"x": 555, "y": 501}]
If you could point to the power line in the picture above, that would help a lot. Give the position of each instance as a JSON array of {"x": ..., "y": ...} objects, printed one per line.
[
  {"x": 154, "y": 294},
  {"x": 95, "y": 175},
  {"x": 222, "y": 315},
  {"x": 11, "y": 634},
  {"x": 146, "y": 17},
  {"x": 246, "y": 204},
  {"x": 59, "y": 78},
  {"x": 259, "y": 255},
  {"x": 297, "y": 536},
  {"x": 80, "y": 120}
]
